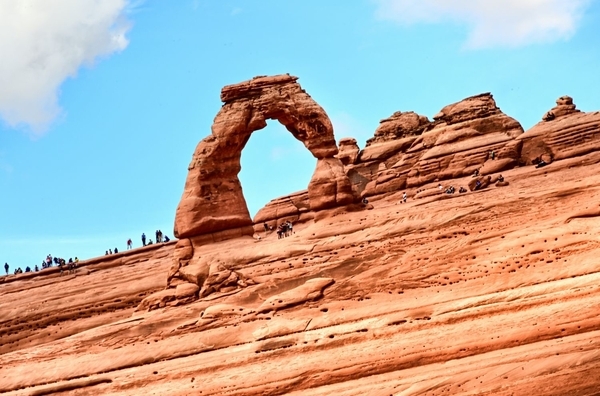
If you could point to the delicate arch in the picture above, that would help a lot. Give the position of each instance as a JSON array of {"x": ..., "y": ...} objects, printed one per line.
[{"x": 212, "y": 199}]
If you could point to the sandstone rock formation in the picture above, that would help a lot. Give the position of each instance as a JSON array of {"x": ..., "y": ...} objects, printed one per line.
[
  {"x": 490, "y": 292},
  {"x": 564, "y": 106},
  {"x": 564, "y": 132},
  {"x": 400, "y": 125},
  {"x": 348, "y": 153},
  {"x": 212, "y": 200},
  {"x": 493, "y": 291},
  {"x": 294, "y": 207},
  {"x": 409, "y": 151}
]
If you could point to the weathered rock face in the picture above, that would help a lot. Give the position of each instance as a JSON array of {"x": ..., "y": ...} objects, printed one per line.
[
  {"x": 409, "y": 151},
  {"x": 294, "y": 207},
  {"x": 212, "y": 199},
  {"x": 564, "y": 106},
  {"x": 348, "y": 153},
  {"x": 564, "y": 132},
  {"x": 398, "y": 126}
]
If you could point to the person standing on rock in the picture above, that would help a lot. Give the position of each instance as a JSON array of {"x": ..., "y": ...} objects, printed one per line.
[
  {"x": 143, "y": 239},
  {"x": 493, "y": 155},
  {"x": 404, "y": 197},
  {"x": 129, "y": 243},
  {"x": 6, "y": 266}
]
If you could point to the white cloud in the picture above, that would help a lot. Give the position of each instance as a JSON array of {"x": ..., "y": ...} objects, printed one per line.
[
  {"x": 42, "y": 43},
  {"x": 493, "y": 23}
]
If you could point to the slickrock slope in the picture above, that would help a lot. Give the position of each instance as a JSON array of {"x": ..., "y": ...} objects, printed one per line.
[{"x": 492, "y": 292}]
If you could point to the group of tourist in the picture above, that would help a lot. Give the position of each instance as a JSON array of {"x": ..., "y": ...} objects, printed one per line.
[
  {"x": 285, "y": 229},
  {"x": 160, "y": 237},
  {"x": 71, "y": 264},
  {"x": 48, "y": 262}
]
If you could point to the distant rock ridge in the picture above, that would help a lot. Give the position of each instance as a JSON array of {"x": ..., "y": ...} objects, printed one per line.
[
  {"x": 399, "y": 125},
  {"x": 564, "y": 132},
  {"x": 408, "y": 150},
  {"x": 459, "y": 140}
]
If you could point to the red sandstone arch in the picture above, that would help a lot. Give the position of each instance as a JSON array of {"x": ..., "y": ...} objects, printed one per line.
[{"x": 212, "y": 199}]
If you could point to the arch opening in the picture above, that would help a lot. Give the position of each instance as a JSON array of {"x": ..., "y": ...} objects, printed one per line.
[{"x": 273, "y": 164}]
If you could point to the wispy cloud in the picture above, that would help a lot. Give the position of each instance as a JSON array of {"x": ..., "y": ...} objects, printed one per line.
[
  {"x": 493, "y": 23},
  {"x": 45, "y": 42},
  {"x": 236, "y": 10}
]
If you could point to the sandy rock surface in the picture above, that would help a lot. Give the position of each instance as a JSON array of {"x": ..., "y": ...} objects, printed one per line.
[{"x": 493, "y": 292}]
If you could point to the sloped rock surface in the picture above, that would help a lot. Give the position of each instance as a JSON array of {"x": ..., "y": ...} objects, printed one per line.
[
  {"x": 294, "y": 207},
  {"x": 487, "y": 292},
  {"x": 566, "y": 133}
]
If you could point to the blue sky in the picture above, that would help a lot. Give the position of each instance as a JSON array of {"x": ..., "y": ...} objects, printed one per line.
[{"x": 102, "y": 103}]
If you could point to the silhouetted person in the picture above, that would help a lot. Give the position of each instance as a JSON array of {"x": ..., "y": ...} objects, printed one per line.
[
  {"x": 6, "y": 267},
  {"x": 143, "y": 239},
  {"x": 166, "y": 239},
  {"x": 116, "y": 251},
  {"x": 129, "y": 244},
  {"x": 36, "y": 268}
]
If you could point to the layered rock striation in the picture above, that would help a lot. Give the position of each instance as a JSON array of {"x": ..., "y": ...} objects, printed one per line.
[
  {"x": 409, "y": 150},
  {"x": 564, "y": 132}
]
